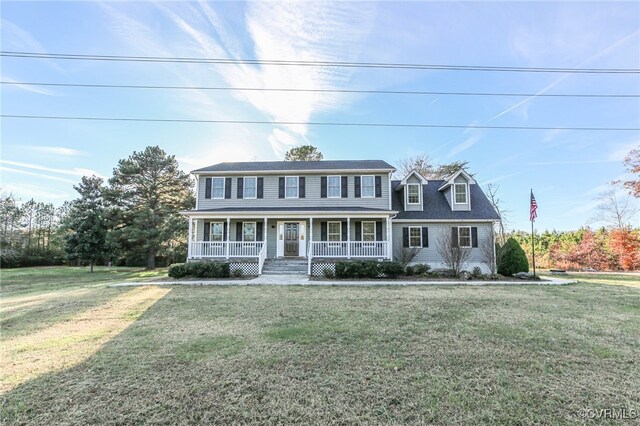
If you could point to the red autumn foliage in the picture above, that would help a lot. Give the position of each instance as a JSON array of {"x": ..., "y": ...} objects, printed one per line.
[
  {"x": 625, "y": 244},
  {"x": 591, "y": 253},
  {"x": 632, "y": 161}
]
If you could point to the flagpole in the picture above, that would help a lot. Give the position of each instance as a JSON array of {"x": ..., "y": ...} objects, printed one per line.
[{"x": 533, "y": 250}]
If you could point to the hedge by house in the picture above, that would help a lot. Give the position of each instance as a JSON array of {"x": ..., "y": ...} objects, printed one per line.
[
  {"x": 368, "y": 269},
  {"x": 200, "y": 270},
  {"x": 512, "y": 259}
]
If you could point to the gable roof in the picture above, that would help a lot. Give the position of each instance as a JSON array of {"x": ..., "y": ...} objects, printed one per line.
[
  {"x": 449, "y": 180},
  {"x": 437, "y": 208},
  {"x": 302, "y": 166},
  {"x": 415, "y": 173}
]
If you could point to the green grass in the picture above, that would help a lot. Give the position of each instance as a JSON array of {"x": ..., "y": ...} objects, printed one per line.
[{"x": 314, "y": 355}]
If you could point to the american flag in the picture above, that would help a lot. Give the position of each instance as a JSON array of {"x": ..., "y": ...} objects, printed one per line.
[{"x": 533, "y": 208}]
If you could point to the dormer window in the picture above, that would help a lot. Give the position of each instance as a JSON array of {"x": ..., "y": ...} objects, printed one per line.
[
  {"x": 460, "y": 193},
  {"x": 413, "y": 193}
]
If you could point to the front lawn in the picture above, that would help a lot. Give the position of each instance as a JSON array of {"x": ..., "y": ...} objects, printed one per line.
[{"x": 79, "y": 352}]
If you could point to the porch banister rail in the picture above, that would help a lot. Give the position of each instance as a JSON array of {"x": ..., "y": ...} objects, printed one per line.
[
  {"x": 350, "y": 249},
  {"x": 310, "y": 251}
]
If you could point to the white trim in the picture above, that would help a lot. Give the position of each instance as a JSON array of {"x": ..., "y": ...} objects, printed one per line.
[
  {"x": 466, "y": 193},
  {"x": 297, "y": 186},
  {"x": 451, "y": 179},
  {"x": 420, "y": 244},
  {"x": 255, "y": 232},
  {"x": 419, "y": 194},
  {"x": 390, "y": 193},
  {"x": 287, "y": 215},
  {"x": 244, "y": 187},
  {"x": 224, "y": 184},
  {"x": 413, "y": 172},
  {"x": 302, "y": 236},
  {"x": 279, "y": 172},
  {"x": 470, "y": 237},
  {"x": 453, "y": 221},
  {"x": 340, "y": 186},
  {"x": 362, "y": 186}
]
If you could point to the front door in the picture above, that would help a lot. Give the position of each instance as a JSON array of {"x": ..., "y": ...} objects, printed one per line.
[{"x": 291, "y": 239}]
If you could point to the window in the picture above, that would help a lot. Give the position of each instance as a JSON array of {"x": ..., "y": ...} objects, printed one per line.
[
  {"x": 248, "y": 231},
  {"x": 217, "y": 231},
  {"x": 368, "y": 231},
  {"x": 249, "y": 187},
  {"x": 415, "y": 236},
  {"x": 291, "y": 187},
  {"x": 334, "y": 186},
  {"x": 368, "y": 189},
  {"x": 464, "y": 236},
  {"x": 460, "y": 190},
  {"x": 413, "y": 193},
  {"x": 217, "y": 187},
  {"x": 334, "y": 231}
]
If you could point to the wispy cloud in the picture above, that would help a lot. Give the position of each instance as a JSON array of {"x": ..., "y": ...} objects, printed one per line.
[
  {"x": 17, "y": 38},
  {"x": 619, "y": 153},
  {"x": 309, "y": 31},
  {"x": 71, "y": 172},
  {"x": 471, "y": 140},
  {"x": 563, "y": 77},
  {"x": 40, "y": 175},
  {"x": 55, "y": 150},
  {"x": 27, "y": 190},
  {"x": 566, "y": 162},
  {"x": 27, "y": 87}
]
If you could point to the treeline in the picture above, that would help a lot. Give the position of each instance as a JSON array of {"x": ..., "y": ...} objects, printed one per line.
[
  {"x": 30, "y": 232},
  {"x": 132, "y": 219},
  {"x": 603, "y": 249}
]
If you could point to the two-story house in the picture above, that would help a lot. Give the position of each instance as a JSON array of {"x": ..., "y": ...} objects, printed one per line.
[{"x": 323, "y": 211}]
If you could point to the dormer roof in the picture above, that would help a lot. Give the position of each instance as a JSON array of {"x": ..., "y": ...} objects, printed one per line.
[
  {"x": 405, "y": 181},
  {"x": 450, "y": 180}
]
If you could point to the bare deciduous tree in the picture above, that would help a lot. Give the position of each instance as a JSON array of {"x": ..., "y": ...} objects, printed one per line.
[
  {"x": 615, "y": 209},
  {"x": 425, "y": 167},
  {"x": 453, "y": 256},
  {"x": 489, "y": 253},
  {"x": 492, "y": 195},
  {"x": 405, "y": 255}
]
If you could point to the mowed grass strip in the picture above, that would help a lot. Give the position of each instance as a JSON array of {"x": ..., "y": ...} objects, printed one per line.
[{"x": 316, "y": 355}]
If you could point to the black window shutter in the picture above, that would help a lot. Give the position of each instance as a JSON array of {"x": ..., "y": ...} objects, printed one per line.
[
  {"x": 454, "y": 236},
  {"x": 281, "y": 187},
  {"x": 356, "y": 186},
  {"x": 240, "y": 188},
  {"x": 323, "y": 188},
  {"x": 259, "y": 231},
  {"x": 227, "y": 188},
  {"x": 239, "y": 231},
  {"x": 224, "y": 231},
  {"x": 378, "y": 187},
  {"x": 344, "y": 231},
  {"x": 378, "y": 231},
  {"x": 358, "y": 231},
  {"x": 260, "y": 187},
  {"x": 323, "y": 231},
  {"x": 207, "y": 231},
  {"x": 207, "y": 188},
  {"x": 405, "y": 237},
  {"x": 301, "y": 187},
  {"x": 474, "y": 236},
  {"x": 345, "y": 187},
  {"x": 425, "y": 236}
]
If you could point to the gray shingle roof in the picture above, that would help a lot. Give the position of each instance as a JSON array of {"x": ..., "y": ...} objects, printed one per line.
[
  {"x": 263, "y": 166},
  {"x": 436, "y": 206}
]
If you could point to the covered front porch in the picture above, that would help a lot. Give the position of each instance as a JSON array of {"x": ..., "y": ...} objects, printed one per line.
[{"x": 329, "y": 235}]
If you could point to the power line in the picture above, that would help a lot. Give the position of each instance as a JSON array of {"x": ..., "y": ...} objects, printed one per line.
[
  {"x": 221, "y": 61},
  {"x": 384, "y": 92},
  {"x": 315, "y": 123}
]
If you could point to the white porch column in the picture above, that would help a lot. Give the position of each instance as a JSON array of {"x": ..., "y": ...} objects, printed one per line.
[
  {"x": 228, "y": 233},
  {"x": 264, "y": 232},
  {"x": 348, "y": 238},
  {"x": 310, "y": 249},
  {"x": 389, "y": 238},
  {"x": 190, "y": 237}
]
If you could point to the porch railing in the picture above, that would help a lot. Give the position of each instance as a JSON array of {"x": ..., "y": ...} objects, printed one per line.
[
  {"x": 373, "y": 249},
  {"x": 204, "y": 249},
  {"x": 261, "y": 258}
]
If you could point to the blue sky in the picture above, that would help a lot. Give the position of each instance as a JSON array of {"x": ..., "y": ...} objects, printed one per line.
[{"x": 566, "y": 169}]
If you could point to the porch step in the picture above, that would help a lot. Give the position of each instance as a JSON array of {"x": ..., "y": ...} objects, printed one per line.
[{"x": 285, "y": 267}]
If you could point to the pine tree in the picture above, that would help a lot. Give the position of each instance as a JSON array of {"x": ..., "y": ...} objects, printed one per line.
[
  {"x": 147, "y": 192},
  {"x": 512, "y": 259},
  {"x": 85, "y": 223}
]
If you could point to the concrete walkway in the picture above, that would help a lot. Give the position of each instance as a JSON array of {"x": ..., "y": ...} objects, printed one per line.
[{"x": 304, "y": 280}]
